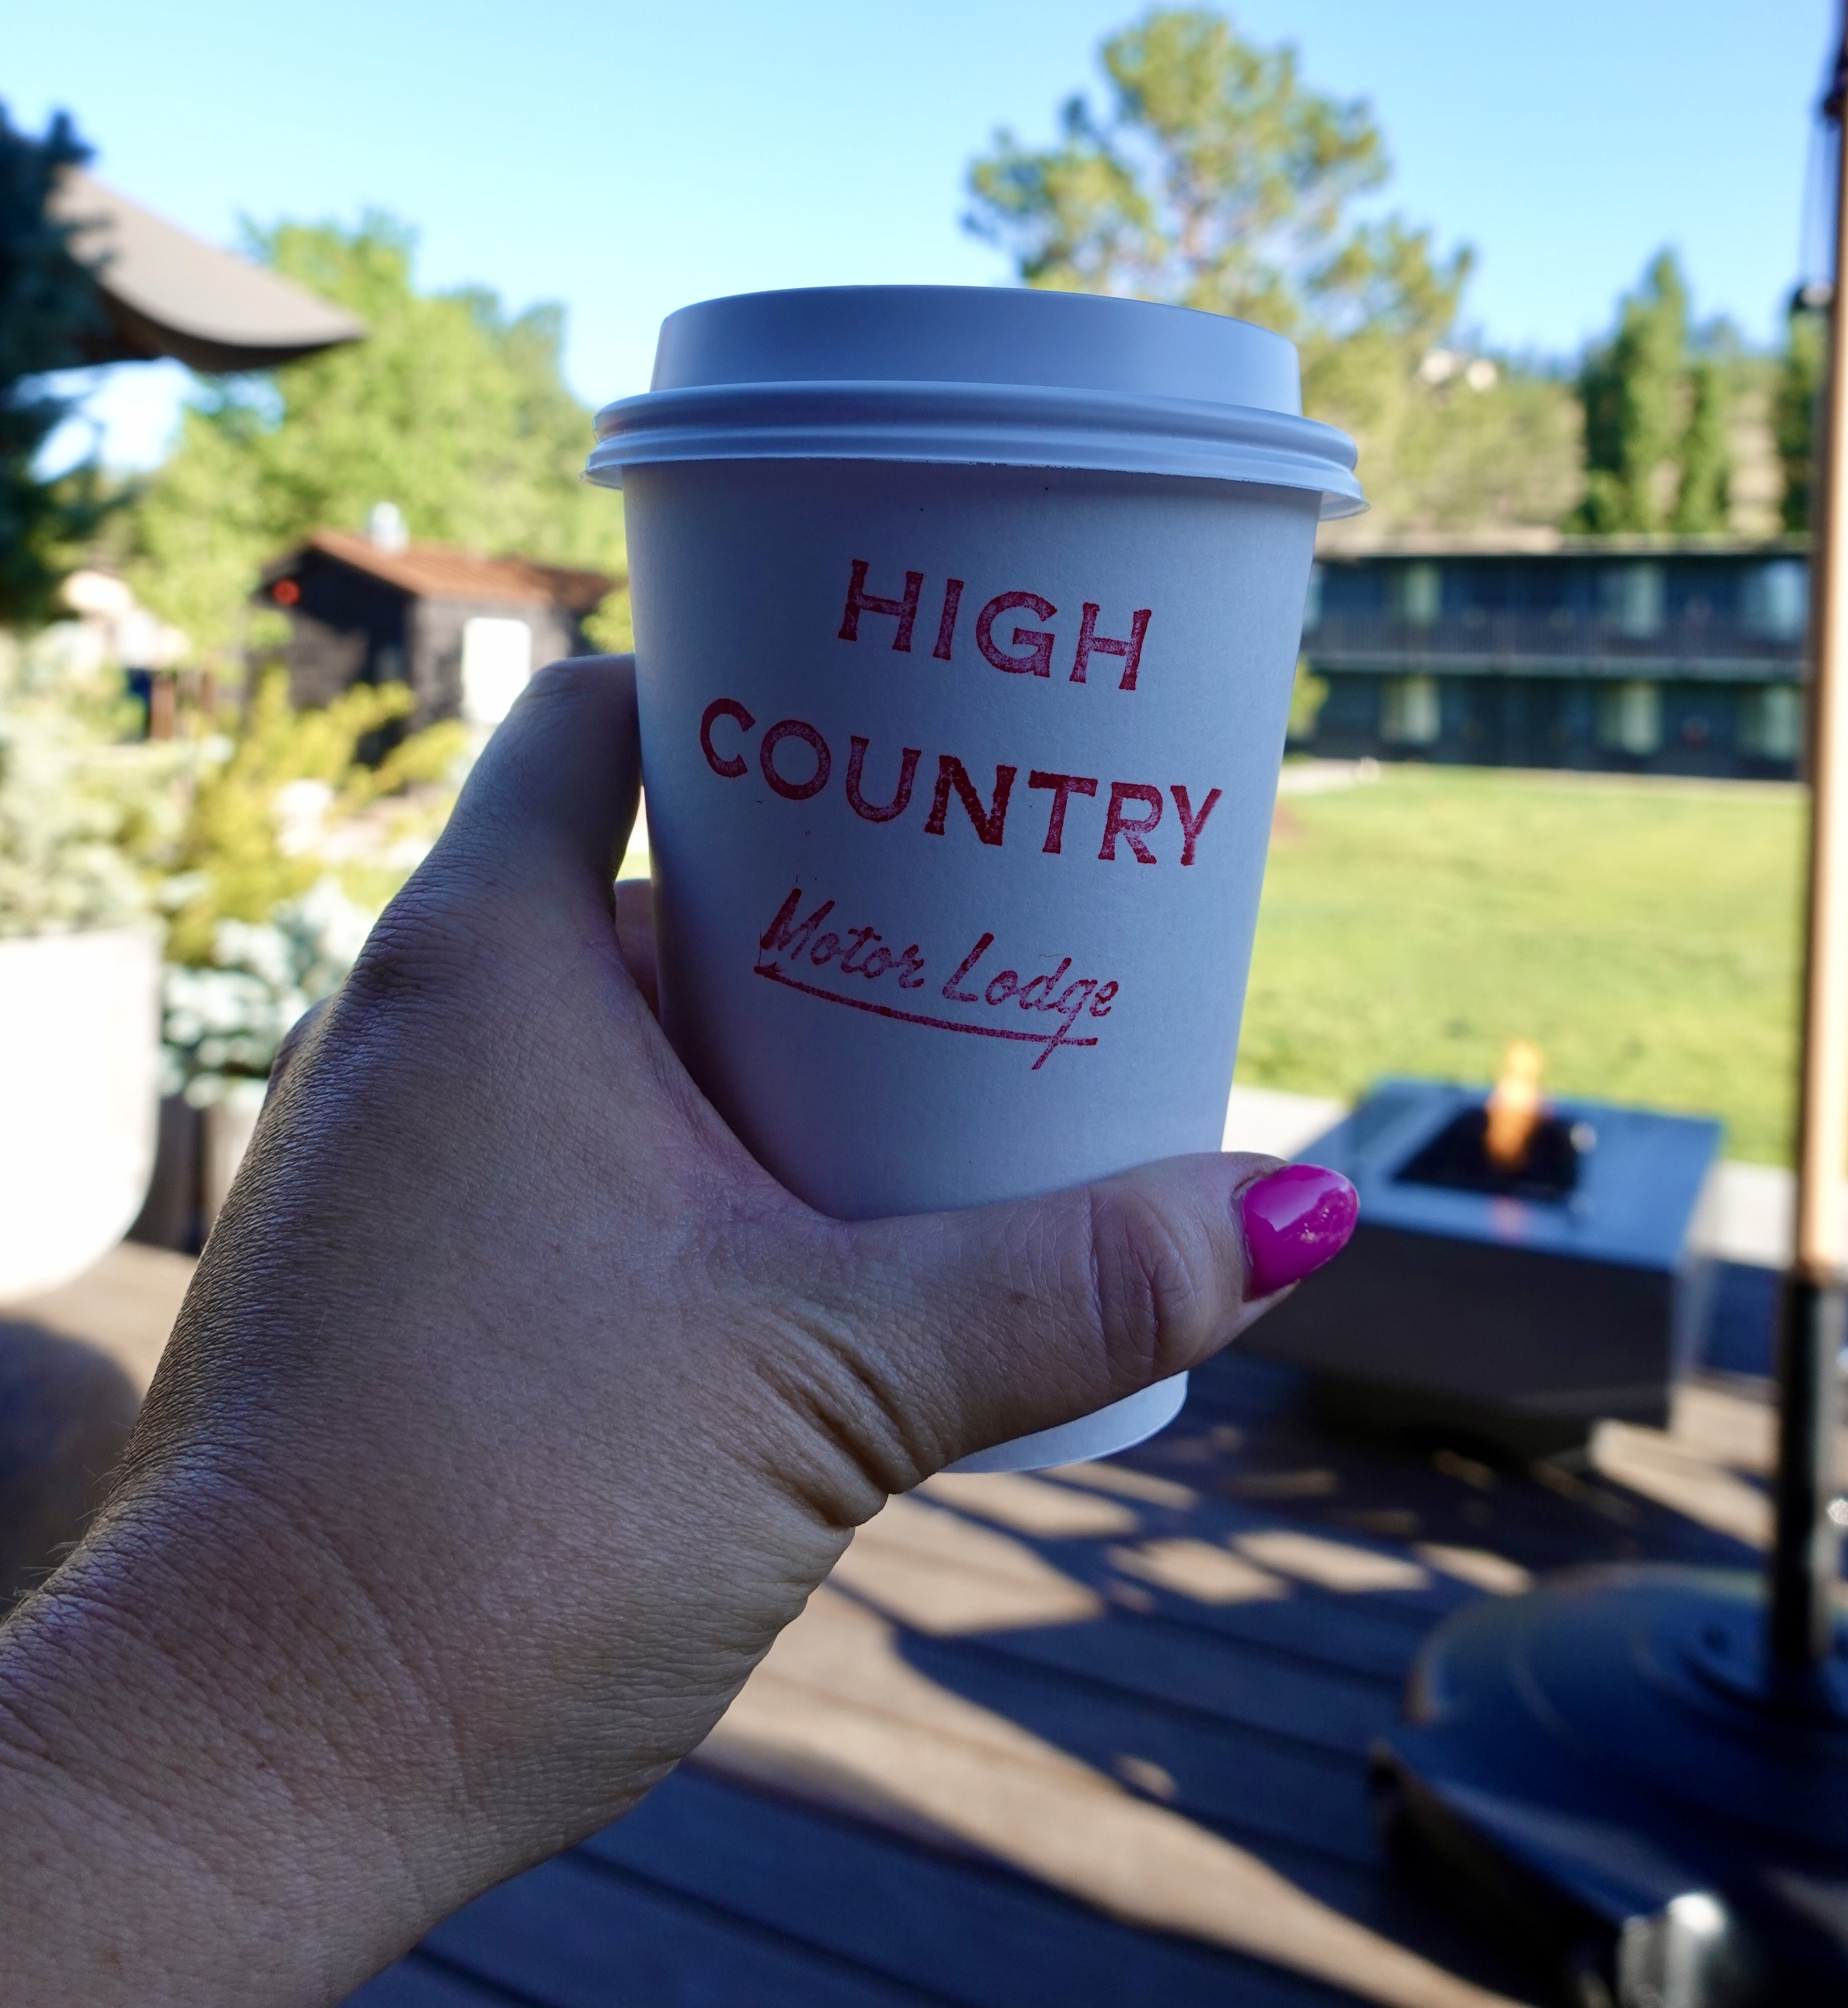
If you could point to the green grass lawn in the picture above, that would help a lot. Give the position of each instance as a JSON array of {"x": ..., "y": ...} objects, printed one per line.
[{"x": 1644, "y": 933}]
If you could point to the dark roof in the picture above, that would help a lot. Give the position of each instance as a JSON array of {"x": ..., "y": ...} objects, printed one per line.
[
  {"x": 166, "y": 293},
  {"x": 440, "y": 571}
]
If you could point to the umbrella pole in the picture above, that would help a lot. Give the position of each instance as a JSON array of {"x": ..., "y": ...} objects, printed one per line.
[{"x": 1805, "y": 1559}]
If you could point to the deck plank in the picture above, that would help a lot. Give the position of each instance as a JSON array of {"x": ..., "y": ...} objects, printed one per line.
[
  {"x": 982, "y": 1936},
  {"x": 837, "y": 1714},
  {"x": 577, "y": 1933},
  {"x": 125, "y": 1306},
  {"x": 1282, "y": 1693},
  {"x": 1249, "y": 1784},
  {"x": 418, "y": 1982}
]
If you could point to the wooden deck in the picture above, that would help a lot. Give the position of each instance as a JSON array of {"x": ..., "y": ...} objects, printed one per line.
[{"x": 1095, "y": 1737}]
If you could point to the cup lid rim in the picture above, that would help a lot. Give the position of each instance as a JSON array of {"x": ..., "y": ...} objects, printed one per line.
[{"x": 968, "y": 423}]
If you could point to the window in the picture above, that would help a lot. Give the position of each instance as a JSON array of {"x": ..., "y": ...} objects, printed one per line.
[
  {"x": 1630, "y": 718},
  {"x": 1312, "y": 606},
  {"x": 1409, "y": 712},
  {"x": 1630, "y": 597},
  {"x": 496, "y": 664},
  {"x": 1776, "y": 602},
  {"x": 1417, "y": 595},
  {"x": 1771, "y": 722}
]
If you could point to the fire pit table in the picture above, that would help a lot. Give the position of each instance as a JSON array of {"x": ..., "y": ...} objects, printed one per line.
[{"x": 1513, "y": 1306}]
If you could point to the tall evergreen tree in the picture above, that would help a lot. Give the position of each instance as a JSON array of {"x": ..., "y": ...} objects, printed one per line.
[
  {"x": 1703, "y": 493},
  {"x": 1632, "y": 388},
  {"x": 1656, "y": 452},
  {"x": 1793, "y": 405},
  {"x": 48, "y": 306}
]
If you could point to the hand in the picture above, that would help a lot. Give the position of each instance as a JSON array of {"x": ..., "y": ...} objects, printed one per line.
[{"x": 513, "y": 1410}]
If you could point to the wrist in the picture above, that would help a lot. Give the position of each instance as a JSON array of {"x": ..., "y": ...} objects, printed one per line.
[{"x": 182, "y": 1817}]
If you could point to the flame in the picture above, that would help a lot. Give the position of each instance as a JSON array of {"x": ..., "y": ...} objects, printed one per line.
[{"x": 1514, "y": 1106}]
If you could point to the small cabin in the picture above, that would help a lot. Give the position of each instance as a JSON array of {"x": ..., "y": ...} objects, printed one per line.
[{"x": 465, "y": 631}]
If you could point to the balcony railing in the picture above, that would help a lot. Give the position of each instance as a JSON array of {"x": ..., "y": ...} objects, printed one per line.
[{"x": 1557, "y": 643}]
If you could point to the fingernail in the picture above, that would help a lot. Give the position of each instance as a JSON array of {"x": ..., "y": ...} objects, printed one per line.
[{"x": 1295, "y": 1220}]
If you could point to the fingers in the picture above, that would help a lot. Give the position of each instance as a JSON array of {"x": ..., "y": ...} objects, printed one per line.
[
  {"x": 1012, "y": 1318},
  {"x": 514, "y": 899}
]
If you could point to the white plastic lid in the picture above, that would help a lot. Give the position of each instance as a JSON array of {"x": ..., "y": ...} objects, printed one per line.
[{"x": 975, "y": 375}]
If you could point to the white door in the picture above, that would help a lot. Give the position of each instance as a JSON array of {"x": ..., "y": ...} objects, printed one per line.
[{"x": 496, "y": 665}]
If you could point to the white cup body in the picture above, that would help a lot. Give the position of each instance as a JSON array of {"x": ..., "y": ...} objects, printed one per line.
[{"x": 1096, "y": 1028}]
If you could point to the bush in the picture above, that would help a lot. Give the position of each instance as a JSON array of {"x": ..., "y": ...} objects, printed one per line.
[
  {"x": 291, "y": 844},
  {"x": 83, "y": 814},
  {"x": 225, "y": 1022},
  {"x": 253, "y": 843}
]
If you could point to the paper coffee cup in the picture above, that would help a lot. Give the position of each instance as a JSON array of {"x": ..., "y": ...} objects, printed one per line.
[{"x": 965, "y": 625}]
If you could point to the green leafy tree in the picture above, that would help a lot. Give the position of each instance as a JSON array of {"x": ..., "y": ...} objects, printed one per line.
[
  {"x": 49, "y": 306},
  {"x": 1656, "y": 454},
  {"x": 1217, "y": 179},
  {"x": 1793, "y": 405},
  {"x": 452, "y": 408},
  {"x": 611, "y": 628}
]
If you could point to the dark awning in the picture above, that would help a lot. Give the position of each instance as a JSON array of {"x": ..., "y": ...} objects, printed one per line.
[{"x": 168, "y": 293}]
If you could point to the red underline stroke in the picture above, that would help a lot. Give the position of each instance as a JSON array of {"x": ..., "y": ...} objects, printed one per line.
[{"x": 917, "y": 1017}]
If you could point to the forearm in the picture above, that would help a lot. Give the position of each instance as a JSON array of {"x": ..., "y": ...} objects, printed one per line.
[{"x": 256, "y": 1740}]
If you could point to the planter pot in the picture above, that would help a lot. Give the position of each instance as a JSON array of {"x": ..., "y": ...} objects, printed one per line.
[
  {"x": 197, "y": 1158},
  {"x": 170, "y": 1215},
  {"x": 79, "y": 1053},
  {"x": 230, "y": 1123}
]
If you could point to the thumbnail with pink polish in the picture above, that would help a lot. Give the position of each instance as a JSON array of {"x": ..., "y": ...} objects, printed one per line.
[{"x": 1295, "y": 1220}]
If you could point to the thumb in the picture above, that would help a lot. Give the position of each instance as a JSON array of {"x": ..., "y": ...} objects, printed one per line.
[
  {"x": 1011, "y": 1318},
  {"x": 515, "y": 894}
]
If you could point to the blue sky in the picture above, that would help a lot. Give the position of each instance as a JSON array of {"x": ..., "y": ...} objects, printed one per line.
[{"x": 625, "y": 159}]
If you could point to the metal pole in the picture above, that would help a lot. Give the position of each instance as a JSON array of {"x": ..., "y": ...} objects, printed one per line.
[{"x": 1805, "y": 1561}]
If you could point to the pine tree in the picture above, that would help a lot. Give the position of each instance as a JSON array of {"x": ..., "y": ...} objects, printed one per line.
[
  {"x": 1702, "y": 496},
  {"x": 1215, "y": 177},
  {"x": 1657, "y": 456},
  {"x": 1793, "y": 405},
  {"x": 1631, "y": 387}
]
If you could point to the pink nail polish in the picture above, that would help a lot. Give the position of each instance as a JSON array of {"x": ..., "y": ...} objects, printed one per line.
[{"x": 1295, "y": 1220}]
